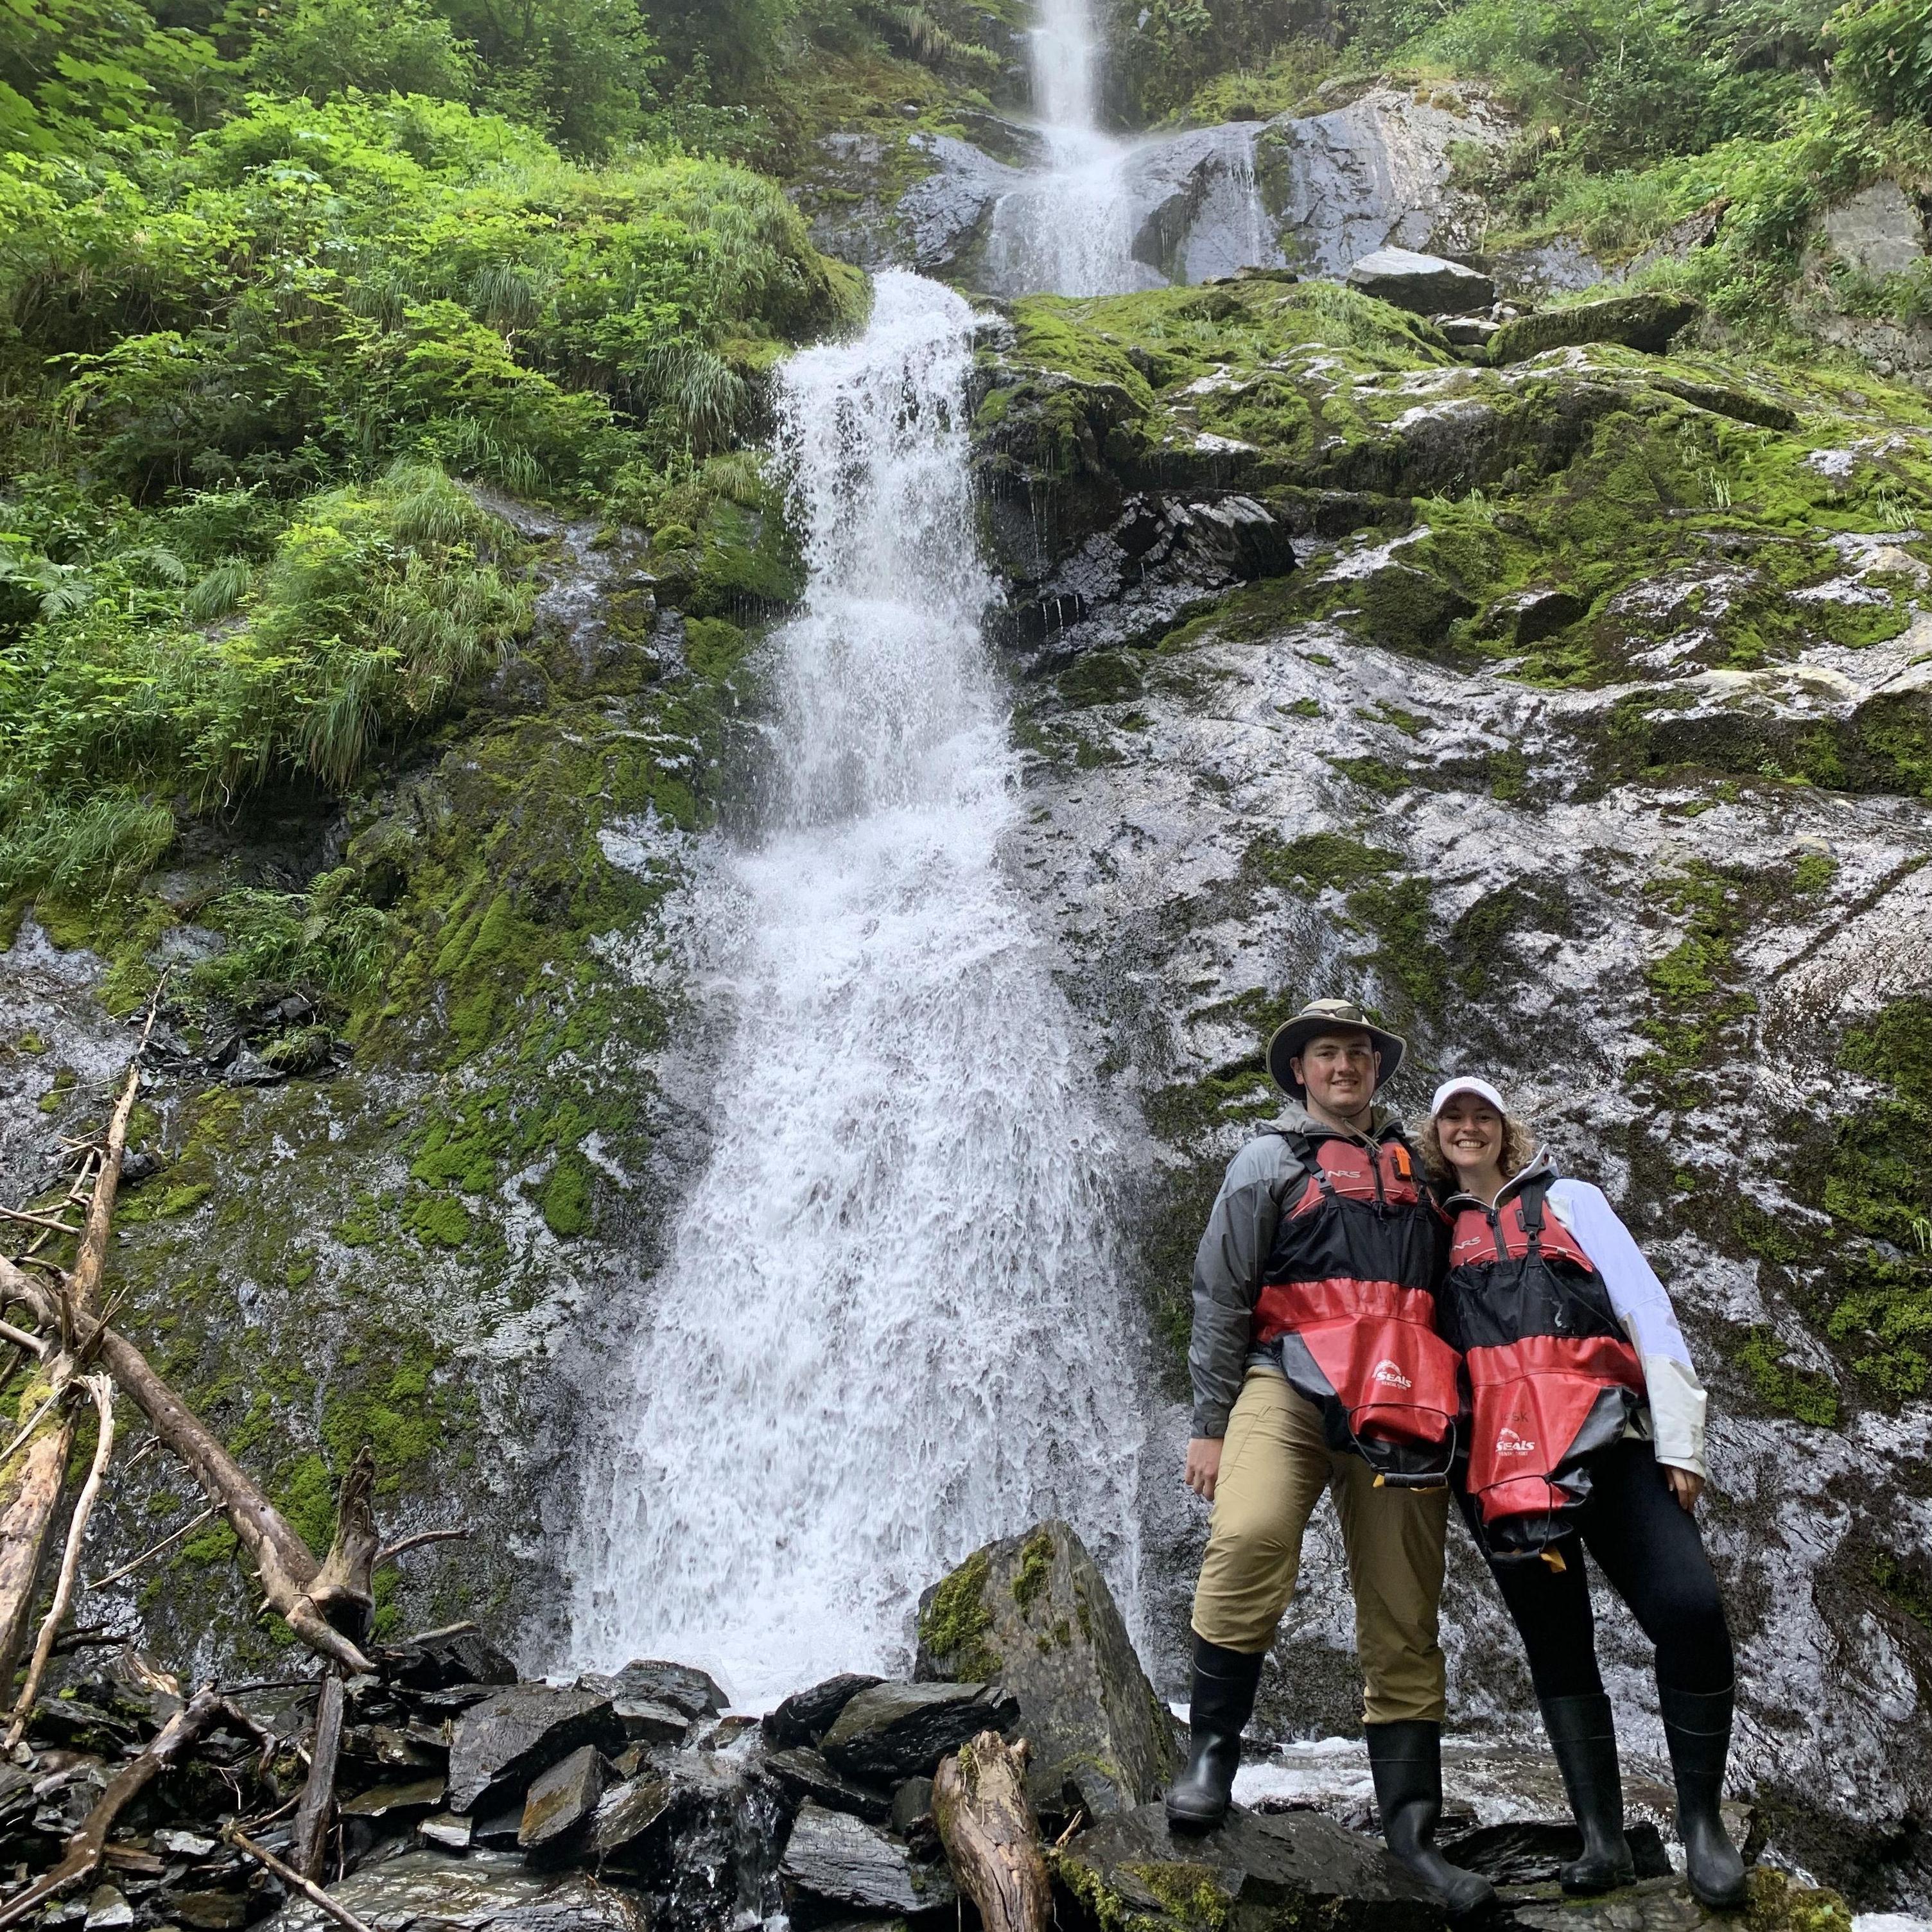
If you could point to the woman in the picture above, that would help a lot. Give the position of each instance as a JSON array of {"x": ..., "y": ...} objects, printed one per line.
[{"x": 1586, "y": 1428}]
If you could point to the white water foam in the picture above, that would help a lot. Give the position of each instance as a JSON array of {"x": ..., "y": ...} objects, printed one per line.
[{"x": 891, "y": 1326}]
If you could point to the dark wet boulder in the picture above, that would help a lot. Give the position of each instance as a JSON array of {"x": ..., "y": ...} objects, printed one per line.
[
  {"x": 1643, "y": 322},
  {"x": 645, "y": 1720},
  {"x": 1251, "y": 1874},
  {"x": 505, "y": 1742},
  {"x": 807, "y": 1777},
  {"x": 682, "y": 1686},
  {"x": 1532, "y": 1851},
  {"x": 627, "y": 1812},
  {"x": 835, "y": 1863},
  {"x": 560, "y": 1804},
  {"x": 896, "y": 1731},
  {"x": 806, "y": 1716},
  {"x": 437, "y": 1662},
  {"x": 1428, "y": 284},
  {"x": 1034, "y": 1612}
]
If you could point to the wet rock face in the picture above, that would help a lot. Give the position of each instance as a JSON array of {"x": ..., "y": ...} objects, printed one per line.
[
  {"x": 483, "y": 1892},
  {"x": 1317, "y": 192},
  {"x": 1638, "y": 828},
  {"x": 501, "y": 1740},
  {"x": 1376, "y": 173},
  {"x": 1035, "y": 1612},
  {"x": 833, "y": 1861}
]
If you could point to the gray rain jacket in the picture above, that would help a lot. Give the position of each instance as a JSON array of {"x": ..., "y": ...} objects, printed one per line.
[{"x": 1228, "y": 1263}]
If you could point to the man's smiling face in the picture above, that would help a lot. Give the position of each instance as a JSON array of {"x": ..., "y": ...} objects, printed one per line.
[{"x": 1339, "y": 1070}]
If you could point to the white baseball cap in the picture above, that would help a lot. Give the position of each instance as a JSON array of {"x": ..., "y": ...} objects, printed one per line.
[{"x": 1466, "y": 1083}]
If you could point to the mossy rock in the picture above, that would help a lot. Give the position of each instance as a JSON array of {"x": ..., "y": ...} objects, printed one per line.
[
  {"x": 1034, "y": 1612},
  {"x": 1642, "y": 321}
]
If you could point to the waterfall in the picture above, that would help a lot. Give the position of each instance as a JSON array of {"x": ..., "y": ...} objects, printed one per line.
[
  {"x": 891, "y": 1324},
  {"x": 1106, "y": 216},
  {"x": 1070, "y": 228}
]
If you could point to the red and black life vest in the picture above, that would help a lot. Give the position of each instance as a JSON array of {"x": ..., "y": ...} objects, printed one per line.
[
  {"x": 1348, "y": 1303},
  {"x": 1552, "y": 1378}
]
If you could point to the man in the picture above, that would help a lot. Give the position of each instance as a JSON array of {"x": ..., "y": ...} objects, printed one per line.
[{"x": 1315, "y": 1364}]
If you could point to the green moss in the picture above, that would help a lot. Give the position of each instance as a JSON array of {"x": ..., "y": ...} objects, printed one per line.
[
  {"x": 438, "y": 1221},
  {"x": 1904, "y": 1585},
  {"x": 566, "y": 1202},
  {"x": 1376, "y": 774},
  {"x": 1319, "y": 861},
  {"x": 1777, "y": 1902},
  {"x": 1793, "y": 1392},
  {"x": 1813, "y": 872},
  {"x": 955, "y": 1625},
  {"x": 1398, "y": 913},
  {"x": 1036, "y": 1555}
]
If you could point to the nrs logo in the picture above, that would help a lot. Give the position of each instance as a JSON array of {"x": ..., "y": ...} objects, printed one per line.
[
  {"x": 1389, "y": 1376},
  {"x": 1509, "y": 1443}
]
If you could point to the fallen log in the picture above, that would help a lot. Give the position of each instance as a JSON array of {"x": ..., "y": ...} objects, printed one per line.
[
  {"x": 88, "y": 1845},
  {"x": 268, "y": 1860},
  {"x": 991, "y": 1837},
  {"x": 318, "y": 1797}
]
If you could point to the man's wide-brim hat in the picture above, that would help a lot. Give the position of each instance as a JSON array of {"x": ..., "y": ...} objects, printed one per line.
[{"x": 1320, "y": 1016}]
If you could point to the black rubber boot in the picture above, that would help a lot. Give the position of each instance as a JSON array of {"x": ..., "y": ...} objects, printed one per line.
[
  {"x": 1220, "y": 1704},
  {"x": 1407, "y": 1761},
  {"x": 1697, "y": 1726},
  {"x": 1583, "y": 1736}
]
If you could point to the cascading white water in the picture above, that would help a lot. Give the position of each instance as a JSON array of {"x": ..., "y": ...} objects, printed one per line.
[
  {"x": 890, "y": 1325},
  {"x": 1069, "y": 229}
]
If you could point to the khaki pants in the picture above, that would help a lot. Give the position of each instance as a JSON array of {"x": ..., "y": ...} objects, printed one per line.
[{"x": 1274, "y": 1465}]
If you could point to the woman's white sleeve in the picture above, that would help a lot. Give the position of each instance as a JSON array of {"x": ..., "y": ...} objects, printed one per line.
[{"x": 1678, "y": 1401}]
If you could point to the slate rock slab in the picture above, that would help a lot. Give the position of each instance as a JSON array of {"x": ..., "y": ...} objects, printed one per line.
[
  {"x": 439, "y": 1663},
  {"x": 833, "y": 1860},
  {"x": 1532, "y": 1851},
  {"x": 806, "y": 1775},
  {"x": 897, "y": 1731},
  {"x": 1429, "y": 284},
  {"x": 626, "y": 1813},
  {"x": 509, "y": 1738},
  {"x": 487, "y": 1891},
  {"x": 1251, "y": 1874},
  {"x": 806, "y": 1716},
  {"x": 682, "y": 1686},
  {"x": 1642, "y": 321},
  {"x": 1035, "y": 1612},
  {"x": 558, "y": 1809}
]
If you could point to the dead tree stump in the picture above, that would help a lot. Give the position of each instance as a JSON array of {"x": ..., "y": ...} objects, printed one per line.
[{"x": 991, "y": 1837}]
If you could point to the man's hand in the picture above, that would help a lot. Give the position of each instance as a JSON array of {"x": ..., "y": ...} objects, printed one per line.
[
  {"x": 1686, "y": 1485},
  {"x": 1204, "y": 1465}
]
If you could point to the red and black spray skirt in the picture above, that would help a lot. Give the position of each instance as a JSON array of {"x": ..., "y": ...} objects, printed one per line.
[
  {"x": 1539, "y": 1409},
  {"x": 1366, "y": 1353},
  {"x": 1551, "y": 1379}
]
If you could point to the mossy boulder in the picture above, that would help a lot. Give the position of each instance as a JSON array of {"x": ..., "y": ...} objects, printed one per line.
[
  {"x": 1647, "y": 321},
  {"x": 1276, "y": 1873},
  {"x": 1035, "y": 1611}
]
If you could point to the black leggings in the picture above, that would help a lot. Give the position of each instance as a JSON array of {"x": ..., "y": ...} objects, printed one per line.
[{"x": 1648, "y": 1548}]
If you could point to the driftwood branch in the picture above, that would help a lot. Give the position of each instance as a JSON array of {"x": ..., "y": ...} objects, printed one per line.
[
  {"x": 390, "y": 1552},
  {"x": 263, "y": 1857},
  {"x": 102, "y": 1390},
  {"x": 20, "y": 1338},
  {"x": 88, "y": 1845},
  {"x": 311, "y": 1826},
  {"x": 292, "y": 1578},
  {"x": 991, "y": 1837},
  {"x": 153, "y": 1549}
]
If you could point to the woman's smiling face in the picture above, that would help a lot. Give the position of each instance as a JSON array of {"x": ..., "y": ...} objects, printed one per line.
[{"x": 1471, "y": 1131}]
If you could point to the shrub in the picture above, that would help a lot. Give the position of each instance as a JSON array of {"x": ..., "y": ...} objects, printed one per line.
[{"x": 1884, "y": 53}]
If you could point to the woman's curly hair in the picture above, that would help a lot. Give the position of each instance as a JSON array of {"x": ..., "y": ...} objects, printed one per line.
[{"x": 1519, "y": 1151}]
